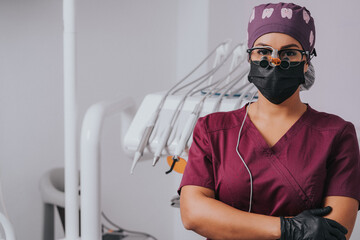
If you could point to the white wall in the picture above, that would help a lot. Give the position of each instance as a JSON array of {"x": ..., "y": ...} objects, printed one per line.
[
  {"x": 125, "y": 48},
  {"x": 128, "y": 48},
  {"x": 31, "y": 119}
]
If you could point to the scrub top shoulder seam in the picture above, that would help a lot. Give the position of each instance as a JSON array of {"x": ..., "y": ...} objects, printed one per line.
[
  {"x": 223, "y": 115},
  {"x": 330, "y": 118}
]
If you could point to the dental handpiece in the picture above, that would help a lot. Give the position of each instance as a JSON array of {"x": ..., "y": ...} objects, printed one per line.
[
  {"x": 166, "y": 135},
  {"x": 190, "y": 124},
  {"x": 164, "y": 138},
  {"x": 147, "y": 133},
  {"x": 144, "y": 141}
]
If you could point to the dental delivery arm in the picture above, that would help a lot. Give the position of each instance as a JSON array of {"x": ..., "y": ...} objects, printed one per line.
[{"x": 213, "y": 219}]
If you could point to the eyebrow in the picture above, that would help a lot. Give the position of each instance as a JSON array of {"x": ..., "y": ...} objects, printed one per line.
[{"x": 283, "y": 47}]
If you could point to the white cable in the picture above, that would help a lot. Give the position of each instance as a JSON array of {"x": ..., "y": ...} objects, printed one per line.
[{"x": 247, "y": 168}]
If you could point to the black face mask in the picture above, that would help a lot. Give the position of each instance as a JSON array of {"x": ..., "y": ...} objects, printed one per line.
[{"x": 275, "y": 83}]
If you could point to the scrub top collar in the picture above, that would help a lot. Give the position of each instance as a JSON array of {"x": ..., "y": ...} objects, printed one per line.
[{"x": 279, "y": 145}]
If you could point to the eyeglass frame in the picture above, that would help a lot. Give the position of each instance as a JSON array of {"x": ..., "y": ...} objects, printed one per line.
[{"x": 308, "y": 55}]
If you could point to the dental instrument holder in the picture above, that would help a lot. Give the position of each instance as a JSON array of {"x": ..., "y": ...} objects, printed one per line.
[
  {"x": 239, "y": 56},
  {"x": 91, "y": 133},
  {"x": 148, "y": 105},
  {"x": 219, "y": 50},
  {"x": 90, "y": 145}
]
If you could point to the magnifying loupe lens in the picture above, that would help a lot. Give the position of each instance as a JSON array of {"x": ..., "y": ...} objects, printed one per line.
[
  {"x": 264, "y": 62},
  {"x": 285, "y": 63}
]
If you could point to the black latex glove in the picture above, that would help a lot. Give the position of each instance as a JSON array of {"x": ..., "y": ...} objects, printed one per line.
[{"x": 310, "y": 225}]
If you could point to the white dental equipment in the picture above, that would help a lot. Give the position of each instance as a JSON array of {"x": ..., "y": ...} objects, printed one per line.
[
  {"x": 90, "y": 163},
  {"x": 169, "y": 133},
  {"x": 70, "y": 122},
  {"x": 167, "y": 103},
  {"x": 238, "y": 57},
  {"x": 155, "y": 107},
  {"x": 189, "y": 126},
  {"x": 165, "y": 136},
  {"x": 220, "y": 51}
]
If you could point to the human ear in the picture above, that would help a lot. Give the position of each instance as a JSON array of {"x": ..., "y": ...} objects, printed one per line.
[{"x": 306, "y": 66}]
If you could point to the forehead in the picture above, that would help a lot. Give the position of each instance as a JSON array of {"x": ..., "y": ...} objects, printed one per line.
[{"x": 277, "y": 40}]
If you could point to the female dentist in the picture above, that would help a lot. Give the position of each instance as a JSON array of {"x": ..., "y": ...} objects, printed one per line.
[{"x": 276, "y": 168}]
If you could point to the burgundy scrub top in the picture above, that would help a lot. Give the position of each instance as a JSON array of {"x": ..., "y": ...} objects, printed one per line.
[{"x": 317, "y": 157}]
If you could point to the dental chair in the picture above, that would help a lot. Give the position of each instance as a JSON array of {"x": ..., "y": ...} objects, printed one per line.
[{"x": 52, "y": 189}]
